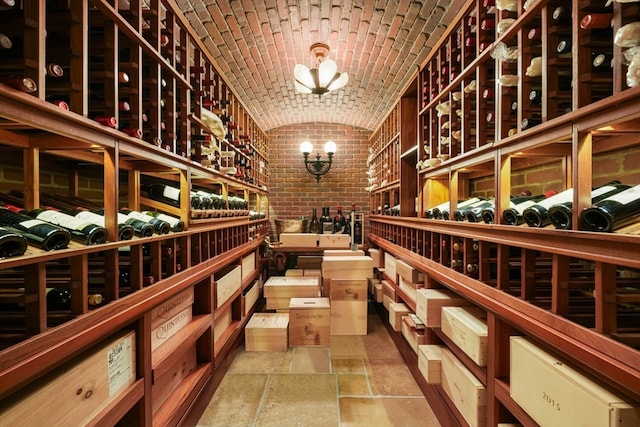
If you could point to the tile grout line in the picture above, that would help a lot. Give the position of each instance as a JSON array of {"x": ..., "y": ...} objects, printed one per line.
[{"x": 262, "y": 399}]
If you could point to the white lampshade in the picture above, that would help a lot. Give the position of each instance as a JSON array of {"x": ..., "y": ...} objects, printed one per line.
[
  {"x": 326, "y": 71},
  {"x": 306, "y": 147},
  {"x": 303, "y": 75},
  {"x": 330, "y": 147},
  {"x": 301, "y": 88},
  {"x": 339, "y": 82}
]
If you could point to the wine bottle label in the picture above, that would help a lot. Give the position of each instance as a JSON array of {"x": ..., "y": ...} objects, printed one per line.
[
  {"x": 64, "y": 220},
  {"x": 91, "y": 217},
  {"x": 138, "y": 215},
  {"x": 520, "y": 207},
  {"x": 171, "y": 193},
  {"x": 32, "y": 223},
  {"x": 602, "y": 190},
  {"x": 172, "y": 220},
  {"x": 565, "y": 196},
  {"x": 627, "y": 196}
]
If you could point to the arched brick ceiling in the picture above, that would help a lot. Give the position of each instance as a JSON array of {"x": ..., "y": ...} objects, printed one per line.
[{"x": 257, "y": 43}]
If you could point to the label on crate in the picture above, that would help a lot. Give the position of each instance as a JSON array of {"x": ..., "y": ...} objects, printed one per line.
[{"x": 120, "y": 365}]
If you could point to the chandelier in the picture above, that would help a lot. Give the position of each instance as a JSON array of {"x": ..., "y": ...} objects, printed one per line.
[
  {"x": 317, "y": 166},
  {"x": 322, "y": 79}
]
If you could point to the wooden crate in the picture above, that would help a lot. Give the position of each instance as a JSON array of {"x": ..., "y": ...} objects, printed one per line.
[
  {"x": 465, "y": 391},
  {"x": 291, "y": 287},
  {"x": 280, "y": 304},
  {"x": 378, "y": 292},
  {"x": 312, "y": 272},
  {"x": 167, "y": 379},
  {"x": 221, "y": 323},
  {"x": 250, "y": 297},
  {"x": 334, "y": 241},
  {"x": 410, "y": 289},
  {"x": 309, "y": 322},
  {"x": 348, "y": 317},
  {"x": 408, "y": 272},
  {"x": 348, "y": 289},
  {"x": 299, "y": 240},
  {"x": 430, "y": 362},
  {"x": 414, "y": 336},
  {"x": 309, "y": 261},
  {"x": 169, "y": 328},
  {"x": 165, "y": 311},
  {"x": 371, "y": 282},
  {"x": 229, "y": 282},
  {"x": 387, "y": 301},
  {"x": 343, "y": 252},
  {"x": 267, "y": 332},
  {"x": 390, "y": 266},
  {"x": 248, "y": 265},
  {"x": 76, "y": 392},
  {"x": 553, "y": 392},
  {"x": 376, "y": 256},
  {"x": 294, "y": 272},
  {"x": 429, "y": 303},
  {"x": 396, "y": 311},
  {"x": 347, "y": 267},
  {"x": 467, "y": 328}
]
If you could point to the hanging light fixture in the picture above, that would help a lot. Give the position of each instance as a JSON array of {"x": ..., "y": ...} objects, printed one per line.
[
  {"x": 322, "y": 79},
  {"x": 318, "y": 167}
]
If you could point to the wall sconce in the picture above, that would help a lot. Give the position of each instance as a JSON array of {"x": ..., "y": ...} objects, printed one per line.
[{"x": 317, "y": 167}]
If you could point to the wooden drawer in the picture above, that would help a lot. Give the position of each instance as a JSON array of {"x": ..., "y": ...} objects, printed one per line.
[
  {"x": 465, "y": 391},
  {"x": 226, "y": 285},
  {"x": 267, "y": 332},
  {"x": 348, "y": 317},
  {"x": 76, "y": 392},
  {"x": 248, "y": 265},
  {"x": 414, "y": 336},
  {"x": 309, "y": 322},
  {"x": 429, "y": 303},
  {"x": 221, "y": 323},
  {"x": 348, "y": 289},
  {"x": 396, "y": 311},
  {"x": 552, "y": 392},
  {"x": 250, "y": 296},
  {"x": 430, "y": 362},
  {"x": 183, "y": 362},
  {"x": 467, "y": 328}
]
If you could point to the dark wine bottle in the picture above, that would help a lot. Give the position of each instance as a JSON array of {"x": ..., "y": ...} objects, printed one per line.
[
  {"x": 538, "y": 214},
  {"x": 140, "y": 228},
  {"x": 564, "y": 47},
  {"x": 339, "y": 221},
  {"x": 314, "y": 225},
  {"x": 613, "y": 212},
  {"x": 474, "y": 213},
  {"x": 461, "y": 205},
  {"x": 488, "y": 213},
  {"x": 84, "y": 232},
  {"x": 37, "y": 232},
  {"x": 12, "y": 243},
  {"x": 325, "y": 220},
  {"x": 170, "y": 195},
  {"x": 24, "y": 84},
  {"x": 125, "y": 231},
  {"x": 357, "y": 226},
  {"x": 435, "y": 211},
  {"x": 59, "y": 299},
  {"x": 176, "y": 223},
  {"x": 561, "y": 213},
  {"x": 159, "y": 226},
  {"x": 513, "y": 215}
]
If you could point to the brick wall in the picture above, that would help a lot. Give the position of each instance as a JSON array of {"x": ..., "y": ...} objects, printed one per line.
[{"x": 294, "y": 192}]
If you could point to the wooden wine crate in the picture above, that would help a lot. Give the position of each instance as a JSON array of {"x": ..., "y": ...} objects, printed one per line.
[
  {"x": 248, "y": 265},
  {"x": 376, "y": 256},
  {"x": 465, "y": 391},
  {"x": 408, "y": 272},
  {"x": 267, "y": 332},
  {"x": 390, "y": 266},
  {"x": 397, "y": 310},
  {"x": 166, "y": 380},
  {"x": 467, "y": 328},
  {"x": 347, "y": 267},
  {"x": 291, "y": 287},
  {"x": 371, "y": 282},
  {"x": 429, "y": 303},
  {"x": 280, "y": 304},
  {"x": 164, "y": 331},
  {"x": 309, "y": 322},
  {"x": 76, "y": 392},
  {"x": 415, "y": 337},
  {"x": 229, "y": 283},
  {"x": 170, "y": 308},
  {"x": 553, "y": 392},
  {"x": 334, "y": 241},
  {"x": 343, "y": 252},
  {"x": 299, "y": 240},
  {"x": 309, "y": 261},
  {"x": 312, "y": 272},
  {"x": 348, "y": 289},
  {"x": 378, "y": 292},
  {"x": 250, "y": 297},
  {"x": 221, "y": 323},
  {"x": 387, "y": 301},
  {"x": 410, "y": 289},
  {"x": 430, "y": 362},
  {"x": 348, "y": 317},
  {"x": 294, "y": 272}
]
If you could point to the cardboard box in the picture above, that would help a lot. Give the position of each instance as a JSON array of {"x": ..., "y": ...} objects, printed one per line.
[
  {"x": 227, "y": 282},
  {"x": 309, "y": 261},
  {"x": 430, "y": 362},
  {"x": 465, "y": 391},
  {"x": 250, "y": 297},
  {"x": 347, "y": 267},
  {"x": 348, "y": 289},
  {"x": 334, "y": 241},
  {"x": 291, "y": 287},
  {"x": 377, "y": 257},
  {"x": 378, "y": 293},
  {"x": 165, "y": 311},
  {"x": 267, "y": 332},
  {"x": 348, "y": 317},
  {"x": 408, "y": 272},
  {"x": 467, "y": 328},
  {"x": 76, "y": 392},
  {"x": 553, "y": 392},
  {"x": 299, "y": 240},
  {"x": 396, "y": 311},
  {"x": 169, "y": 328},
  {"x": 294, "y": 272},
  {"x": 390, "y": 266},
  {"x": 248, "y": 265},
  {"x": 309, "y": 322},
  {"x": 414, "y": 336},
  {"x": 429, "y": 303}
]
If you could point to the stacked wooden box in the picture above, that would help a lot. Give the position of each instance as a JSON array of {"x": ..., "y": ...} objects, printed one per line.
[
  {"x": 410, "y": 279},
  {"x": 170, "y": 317},
  {"x": 309, "y": 322},
  {"x": 228, "y": 281},
  {"x": 465, "y": 391},
  {"x": 298, "y": 240},
  {"x": 267, "y": 332},
  {"x": 278, "y": 290}
]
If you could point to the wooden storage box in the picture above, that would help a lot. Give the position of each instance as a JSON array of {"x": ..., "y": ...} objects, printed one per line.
[
  {"x": 347, "y": 267},
  {"x": 280, "y": 304},
  {"x": 397, "y": 310},
  {"x": 410, "y": 289},
  {"x": 221, "y": 323},
  {"x": 378, "y": 292},
  {"x": 387, "y": 301},
  {"x": 299, "y": 240},
  {"x": 390, "y": 266},
  {"x": 167, "y": 378},
  {"x": 348, "y": 317},
  {"x": 250, "y": 297},
  {"x": 343, "y": 252},
  {"x": 467, "y": 328},
  {"x": 291, "y": 287},
  {"x": 413, "y": 335},
  {"x": 552, "y": 392},
  {"x": 465, "y": 391},
  {"x": 312, "y": 272},
  {"x": 408, "y": 272},
  {"x": 229, "y": 282},
  {"x": 248, "y": 265},
  {"x": 165, "y": 311},
  {"x": 334, "y": 241},
  {"x": 76, "y": 392},
  {"x": 348, "y": 289},
  {"x": 267, "y": 332},
  {"x": 164, "y": 331},
  {"x": 309, "y": 322},
  {"x": 430, "y": 362},
  {"x": 371, "y": 283},
  {"x": 309, "y": 261},
  {"x": 294, "y": 272},
  {"x": 429, "y": 303},
  {"x": 376, "y": 256}
]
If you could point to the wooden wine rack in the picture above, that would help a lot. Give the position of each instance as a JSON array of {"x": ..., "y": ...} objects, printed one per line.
[
  {"x": 141, "y": 63},
  {"x": 573, "y": 292}
]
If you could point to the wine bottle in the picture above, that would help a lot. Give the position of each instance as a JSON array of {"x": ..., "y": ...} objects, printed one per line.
[
  {"x": 564, "y": 48},
  {"x": 561, "y": 13},
  {"x": 125, "y": 231},
  {"x": 5, "y": 42},
  {"x": 159, "y": 226},
  {"x": 535, "y": 96},
  {"x": 140, "y": 228},
  {"x": 59, "y": 299},
  {"x": 431, "y": 213},
  {"x": 593, "y": 21},
  {"x": 84, "y": 232},
  {"x": 538, "y": 214},
  {"x": 474, "y": 213},
  {"x": 170, "y": 195},
  {"x": 339, "y": 221},
  {"x": 444, "y": 214},
  {"x": 24, "y": 84},
  {"x": 357, "y": 226},
  {"x": 314, "y": 224},
  {"x": 528, "y": 123},
  {"x": 347, "y": 224},
  {"x": 460, "y": 213},
  {"x": 602, "y": 61},
  {"x": 613, "y": 212},
  {"x": 108, "y": 121},
  {"x": 325, "y": 220},
  {"x": 513, "y": 215},
  {"x": 488, "y": 213},
  {"x": 176, "y": 223},
  {"x": 37, "y": 232},
  {"x": 12, "y": 243},
  {"x": 561, "y": 213}
]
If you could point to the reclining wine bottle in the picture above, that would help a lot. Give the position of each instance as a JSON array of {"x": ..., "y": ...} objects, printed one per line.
[
  {"x": 613, "y": 212},
  {"x": 37, "y": 232}
]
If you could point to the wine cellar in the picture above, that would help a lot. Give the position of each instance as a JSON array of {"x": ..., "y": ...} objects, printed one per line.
[{"x": 497, "y": 235}]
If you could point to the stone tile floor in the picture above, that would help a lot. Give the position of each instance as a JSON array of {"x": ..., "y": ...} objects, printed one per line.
[{"x": 357, "y": 381}]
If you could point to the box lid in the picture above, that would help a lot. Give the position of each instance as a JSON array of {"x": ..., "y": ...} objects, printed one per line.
[{"x": 309, "y": 303}]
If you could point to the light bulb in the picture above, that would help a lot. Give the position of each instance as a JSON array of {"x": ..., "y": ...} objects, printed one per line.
[
  {"x": 306, "y": 147},
  {"x": 330, "y": 147}
]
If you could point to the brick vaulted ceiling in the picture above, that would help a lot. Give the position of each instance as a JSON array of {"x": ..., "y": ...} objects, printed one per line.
[{"x": 380, "y": 43}]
